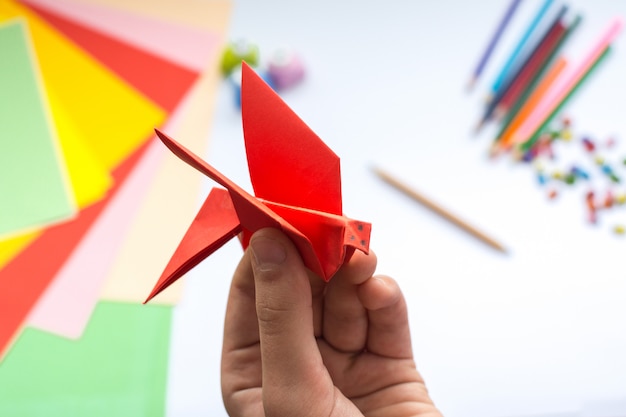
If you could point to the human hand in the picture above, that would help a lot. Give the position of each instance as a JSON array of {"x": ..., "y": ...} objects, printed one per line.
[{"x": 296, "y": 346}]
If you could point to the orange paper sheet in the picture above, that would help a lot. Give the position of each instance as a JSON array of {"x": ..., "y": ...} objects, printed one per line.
[{"x": 141, "y": 256}]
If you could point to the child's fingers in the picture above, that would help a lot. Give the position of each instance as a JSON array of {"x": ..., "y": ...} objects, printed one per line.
[
  {"x": 388, "y": 331},
  {"x": 345, "y": 318}
]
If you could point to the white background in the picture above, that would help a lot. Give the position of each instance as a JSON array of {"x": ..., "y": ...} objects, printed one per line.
[{"x": 541, "y": 331}]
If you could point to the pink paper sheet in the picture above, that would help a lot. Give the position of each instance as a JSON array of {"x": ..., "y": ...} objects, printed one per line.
[
  {"x": 184, "y": 45},
  {"x": 67, "y": 304}
]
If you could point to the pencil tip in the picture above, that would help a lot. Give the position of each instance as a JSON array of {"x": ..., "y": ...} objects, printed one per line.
[
  {"x": 494, "y": 151},
  {"x": 471, "y": 84},
  {"x": 499, "y": 112},
  {"x": 498, "y": 246},
  {"x": 517, "y": 155},
  {"x": 479, "y": 126}
]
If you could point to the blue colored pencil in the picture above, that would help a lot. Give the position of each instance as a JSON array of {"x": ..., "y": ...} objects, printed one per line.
[
  {"x": 494, "y": 40},
  {"x": 515, "y": 73},
  {"x": 504, "y": 73}
]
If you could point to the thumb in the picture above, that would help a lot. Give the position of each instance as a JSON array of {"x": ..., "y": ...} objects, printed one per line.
[{"x": 289, "y": 352}]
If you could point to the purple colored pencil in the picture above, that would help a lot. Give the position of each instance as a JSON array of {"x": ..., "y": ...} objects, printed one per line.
[{"x": 494, "y": 40}]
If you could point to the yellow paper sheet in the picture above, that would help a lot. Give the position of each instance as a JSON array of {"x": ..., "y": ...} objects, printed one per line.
[
  {"x": 99, "y": 118},
  {"x": 10, "y": 247},
  {"x": 142, "y": 258},
  {"x": 111, "y": 116}
]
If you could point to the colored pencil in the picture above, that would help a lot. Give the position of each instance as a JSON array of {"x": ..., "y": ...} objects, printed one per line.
[
  {"x": 547, "y": 106},
  {"x": 437, "y": 209},
  {"x": 503, "y": 141},
  {"x": 516, "y": 107},
  {"x": 532, "y": 66},
  {"x": 510, "y": 11},
  {"x": 561, "y": 103},
  {"x": 521, "y": 75},
  {"x": 515, "y": 54}
]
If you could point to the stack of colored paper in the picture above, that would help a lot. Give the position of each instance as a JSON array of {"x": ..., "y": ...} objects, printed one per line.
[{"x": 85, "y": 189}]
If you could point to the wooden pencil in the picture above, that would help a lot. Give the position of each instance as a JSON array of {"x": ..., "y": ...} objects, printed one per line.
[{"x": 437, "y": 209}]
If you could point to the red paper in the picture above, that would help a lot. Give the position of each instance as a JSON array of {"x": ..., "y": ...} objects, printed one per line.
[
  {"x": 162, "y": 81},
  {"x": 26, "y": 277},
  {"x": 296, "y": 178}
]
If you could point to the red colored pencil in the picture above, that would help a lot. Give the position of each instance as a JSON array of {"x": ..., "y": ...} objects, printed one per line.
[{"x": 538, "y": 58}]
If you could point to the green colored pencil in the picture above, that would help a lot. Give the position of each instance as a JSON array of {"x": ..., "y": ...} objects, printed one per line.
[
  {"x": 535, "y": 136},
  {"x": 510, "y": 115}
]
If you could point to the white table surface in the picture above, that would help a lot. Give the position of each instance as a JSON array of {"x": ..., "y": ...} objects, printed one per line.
[{"x": 541, "y": 331}]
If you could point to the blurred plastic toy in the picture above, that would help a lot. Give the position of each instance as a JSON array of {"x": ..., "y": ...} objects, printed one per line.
[
  {"x": 285, "y": 69},
  {"x": 237, "y": 51}
]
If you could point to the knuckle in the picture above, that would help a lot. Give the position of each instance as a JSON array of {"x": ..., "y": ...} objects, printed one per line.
[{"x": 271, "y": 315}]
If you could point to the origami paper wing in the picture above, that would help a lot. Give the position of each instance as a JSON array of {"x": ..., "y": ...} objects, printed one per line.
[
  {"x": 288, "y": 162},
  {"x": 311, "y": 217}
]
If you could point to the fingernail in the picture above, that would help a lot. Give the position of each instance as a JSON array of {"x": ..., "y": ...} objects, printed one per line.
[{"x": 267, "y": 252}]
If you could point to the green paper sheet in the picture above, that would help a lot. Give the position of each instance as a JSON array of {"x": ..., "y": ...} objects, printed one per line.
[
  {"x": 118, "y": 368},
  {"x": 34, "y": 187}
]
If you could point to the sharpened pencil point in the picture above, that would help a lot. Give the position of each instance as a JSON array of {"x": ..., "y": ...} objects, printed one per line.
[
  {"x": 471, "y": 84},
  {"x": 479, "y": 126},
  {"x": 494, "y": 151},
  {"x": 499, "y": 113}
]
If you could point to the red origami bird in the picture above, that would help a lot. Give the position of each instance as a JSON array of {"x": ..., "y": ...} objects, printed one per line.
[{"x": 297, "y": 183}]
